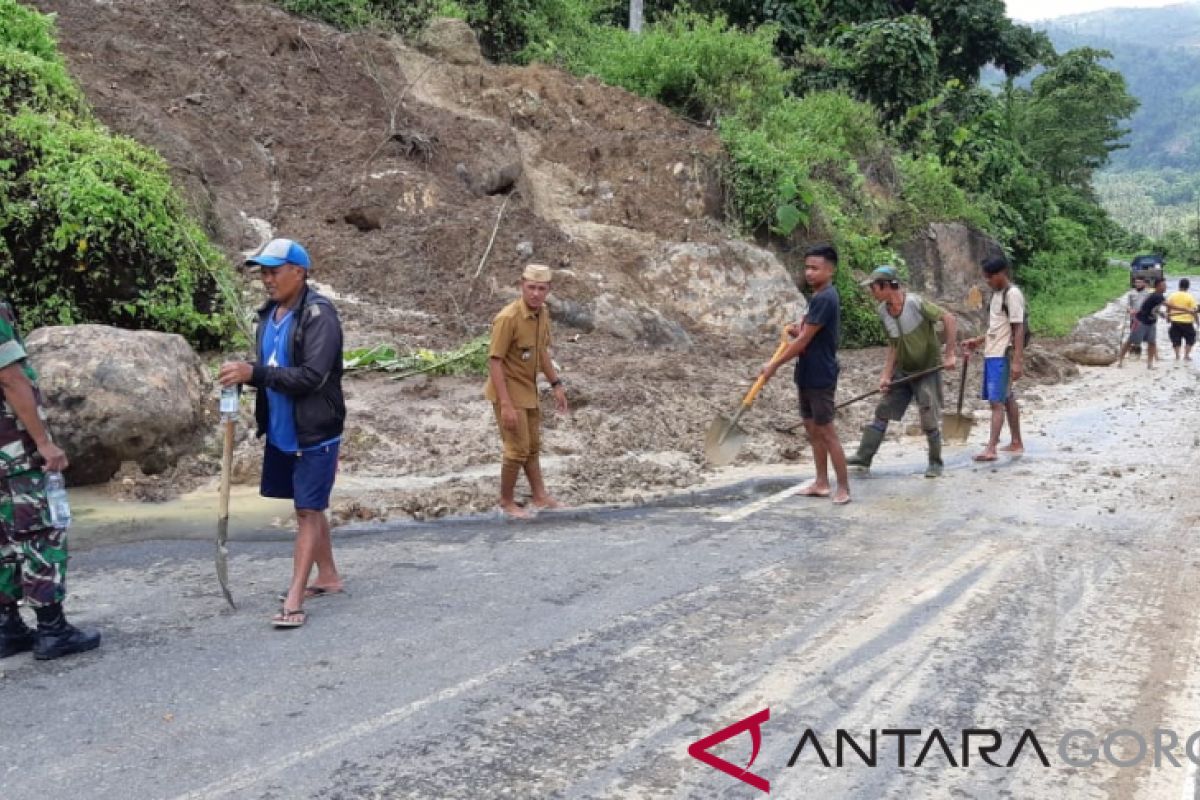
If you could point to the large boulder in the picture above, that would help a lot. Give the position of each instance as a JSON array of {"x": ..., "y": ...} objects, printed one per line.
[
  {"x": 1096, "y": 339},
  {"x": 450, "y": 40},
  {"x": 733, "y": 288},
  {"x": 115, "y": 395},
  {"x": 672, "y": 291}
]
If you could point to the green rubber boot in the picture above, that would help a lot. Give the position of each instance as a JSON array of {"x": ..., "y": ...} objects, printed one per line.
[
  {"x": 934, "y": 470},
  {"x": 867, "y": 448}
]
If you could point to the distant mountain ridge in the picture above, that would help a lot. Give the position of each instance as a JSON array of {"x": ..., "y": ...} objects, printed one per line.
[
  {"x": 1169, "y": 26},
  {"x": 1158, "y": 52}
]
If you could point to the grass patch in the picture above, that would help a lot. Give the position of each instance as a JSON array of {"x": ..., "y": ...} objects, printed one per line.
[{"x": 1056, "y": 307}]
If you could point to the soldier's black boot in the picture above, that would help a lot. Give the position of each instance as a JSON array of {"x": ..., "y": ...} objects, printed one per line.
[
  {"x": 15, "y": 635},
  {"x": 57, "y": 638},
  {"x": 871, "y": 439}
]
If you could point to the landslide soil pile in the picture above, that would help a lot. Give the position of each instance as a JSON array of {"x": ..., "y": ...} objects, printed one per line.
[{"x": 394, "y": 168}]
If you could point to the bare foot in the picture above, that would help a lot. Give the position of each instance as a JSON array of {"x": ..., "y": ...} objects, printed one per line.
[
  {"x": 815, "y": 490},
  {"x": 986, "y": 455},
  {"x": 515, "y": 511},
  {"x": 842, "y": 497},
  {"x": 1014, "y": 449},
  {"x": 546, "y": 502}
]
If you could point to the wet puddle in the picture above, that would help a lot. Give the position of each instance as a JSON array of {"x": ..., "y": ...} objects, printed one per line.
[{"x": 99, "y": 518}]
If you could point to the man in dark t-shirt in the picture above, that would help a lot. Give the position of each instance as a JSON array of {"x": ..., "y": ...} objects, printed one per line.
[
  {"x": 1147, "y": 323},
  {"x": 815, "y": 350}
]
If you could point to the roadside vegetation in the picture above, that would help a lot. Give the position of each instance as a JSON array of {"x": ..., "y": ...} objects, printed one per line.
[{"x": 91, "y": 229}]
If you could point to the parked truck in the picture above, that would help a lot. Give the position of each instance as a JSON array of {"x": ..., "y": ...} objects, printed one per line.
[{"x": 1149, "y": 267}]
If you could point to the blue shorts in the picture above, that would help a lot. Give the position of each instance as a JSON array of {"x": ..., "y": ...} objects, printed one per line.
[
  {"x": 305, "y": 477},
  {"x": 995, "y": 379}
]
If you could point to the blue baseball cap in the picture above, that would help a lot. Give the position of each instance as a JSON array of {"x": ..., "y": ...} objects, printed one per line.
[
  {"x": 883, "y": 273},
  {"x": 278, "y": 252}
]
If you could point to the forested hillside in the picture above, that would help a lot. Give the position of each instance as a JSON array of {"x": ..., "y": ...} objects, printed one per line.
[
  {"x": 1151, "y": 185},
  {"x": 1158, "y": 52}
]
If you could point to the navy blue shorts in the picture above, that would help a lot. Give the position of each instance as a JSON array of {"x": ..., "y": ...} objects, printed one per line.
[{"x": 305, "y": 477}]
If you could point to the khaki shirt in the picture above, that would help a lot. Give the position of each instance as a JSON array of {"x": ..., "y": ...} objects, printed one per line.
[{"x": 519, "y": 336}]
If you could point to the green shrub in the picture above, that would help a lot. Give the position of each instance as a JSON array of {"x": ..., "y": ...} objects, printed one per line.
[
  {"x": 344, "y": 14},
  {"x": 91, "y": 230},
  {"x": 929, "y": 194},
  {"x": 29, "y": 81},
  {"x": 23, "y": 28},
  {"x": 702, "y": 68},
  {"x": 812, "y": 144}
]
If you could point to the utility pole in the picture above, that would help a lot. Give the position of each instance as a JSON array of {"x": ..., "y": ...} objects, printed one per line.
[{"x": 635, "y": 16}]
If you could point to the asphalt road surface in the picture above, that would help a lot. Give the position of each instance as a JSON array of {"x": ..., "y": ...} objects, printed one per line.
[{"x": 580, "y": 655}]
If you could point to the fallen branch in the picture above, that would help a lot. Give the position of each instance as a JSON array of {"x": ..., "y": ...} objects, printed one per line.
[
  {"x": 492, "y": 241},
  {"x": 438, "y": 365}
]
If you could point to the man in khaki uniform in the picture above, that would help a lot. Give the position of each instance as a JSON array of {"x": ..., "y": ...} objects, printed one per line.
[{"x": 520, "y": 344}]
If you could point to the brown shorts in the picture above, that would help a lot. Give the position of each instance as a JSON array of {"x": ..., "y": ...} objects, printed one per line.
[
  {"x": 817, "y": 404},
  {"x": 526, "y": 440}
]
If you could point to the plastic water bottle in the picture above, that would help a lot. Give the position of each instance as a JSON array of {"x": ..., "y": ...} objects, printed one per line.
[
  {"x": 229, "y": 402},
  {"x": 56, "y": 496}
]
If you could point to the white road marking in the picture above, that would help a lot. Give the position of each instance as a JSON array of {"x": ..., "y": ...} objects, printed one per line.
[
  {"x": 246, "y": 778},
  {"x": 759, "y": 505},
  {"x": 236, "y": 784}
]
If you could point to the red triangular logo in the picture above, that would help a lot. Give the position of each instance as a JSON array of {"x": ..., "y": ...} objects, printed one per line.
[{"x": 753, "y": 723}]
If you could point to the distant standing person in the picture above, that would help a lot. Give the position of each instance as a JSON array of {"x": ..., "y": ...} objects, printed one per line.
[
  {"x": 299, "y": 407},
  {"x": 815, "y": 350},
  {"x": 1003, "y": 356},
  {"x": 909, "y": 322},
  {"x": 1147, "y": 324},
  {"x": 1133, "y": 303},
  {"x": 519, "y": 348},
  {"x": 33, "y": 552},
  {"x": 1182, "y": 314}
]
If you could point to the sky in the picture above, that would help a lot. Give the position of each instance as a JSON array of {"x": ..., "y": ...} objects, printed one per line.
[{"x": 1028, "y": 10}]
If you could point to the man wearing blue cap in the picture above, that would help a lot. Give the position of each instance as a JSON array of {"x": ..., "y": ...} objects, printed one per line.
[
  {"x": 300, "y": 408},
  {"x": 909, "y": 322}
]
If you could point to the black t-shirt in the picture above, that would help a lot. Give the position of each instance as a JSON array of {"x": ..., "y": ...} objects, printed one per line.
[
  {"x": 1146, "y": 314},
  {"x": 817, "y": 368}
]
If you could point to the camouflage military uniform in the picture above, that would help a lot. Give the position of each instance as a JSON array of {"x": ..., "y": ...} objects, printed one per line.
[{"x": 33, "y": 553}]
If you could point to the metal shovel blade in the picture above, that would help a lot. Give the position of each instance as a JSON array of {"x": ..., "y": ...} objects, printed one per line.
[
  {"x": 957, "y": 427},
  {"x": 723, "y": 441}
]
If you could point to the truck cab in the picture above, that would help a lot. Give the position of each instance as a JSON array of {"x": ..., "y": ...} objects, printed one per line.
[{"x": 1149, "y": 267}]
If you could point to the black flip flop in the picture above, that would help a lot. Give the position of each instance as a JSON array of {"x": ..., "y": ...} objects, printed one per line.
[{"x": 311, "y": 592}]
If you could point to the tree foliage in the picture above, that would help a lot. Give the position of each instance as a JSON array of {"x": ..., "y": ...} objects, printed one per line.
[{"x": 1070, "y": 123}]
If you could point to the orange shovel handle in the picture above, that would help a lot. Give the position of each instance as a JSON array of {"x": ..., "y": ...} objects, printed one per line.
[{"x": 762, "y": 379}]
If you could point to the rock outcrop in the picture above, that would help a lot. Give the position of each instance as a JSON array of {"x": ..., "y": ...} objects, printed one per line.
[
  {"x": 944, "y": 261},
  {"x": 450, "y": 40},
  {"x": 116, "y": 395}
]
